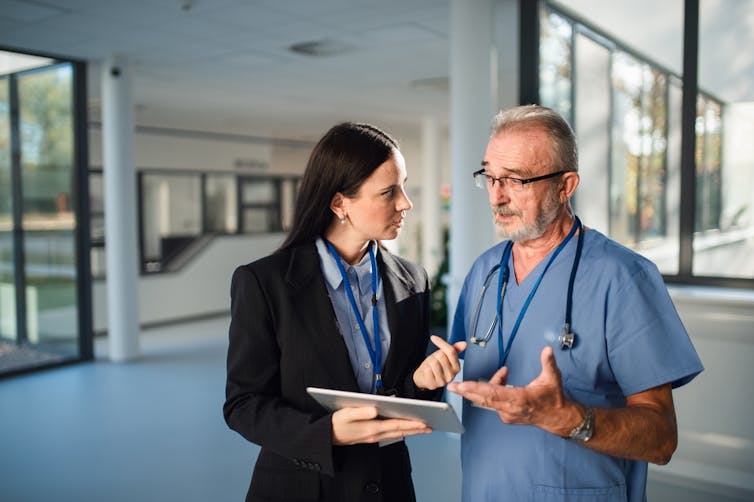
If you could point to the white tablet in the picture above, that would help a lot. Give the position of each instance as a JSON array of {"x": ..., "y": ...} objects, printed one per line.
[{"x": 440, "y": 416}]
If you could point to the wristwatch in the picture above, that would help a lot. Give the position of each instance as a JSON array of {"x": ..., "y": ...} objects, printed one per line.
[{"x": 584, "y": 431}]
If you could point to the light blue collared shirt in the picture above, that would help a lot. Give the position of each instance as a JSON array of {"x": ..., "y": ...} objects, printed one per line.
[{"x": 360, "y": 277}]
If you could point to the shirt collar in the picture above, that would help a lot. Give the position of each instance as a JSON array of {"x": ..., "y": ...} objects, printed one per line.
[{"x": 332, "y": 274}]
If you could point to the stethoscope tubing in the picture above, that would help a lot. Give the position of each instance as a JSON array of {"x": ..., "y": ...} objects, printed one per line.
[{"x": 567, "y": 338}]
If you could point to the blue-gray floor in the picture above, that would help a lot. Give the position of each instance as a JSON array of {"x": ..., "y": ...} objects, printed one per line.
[{"x": 152, "y": 430}]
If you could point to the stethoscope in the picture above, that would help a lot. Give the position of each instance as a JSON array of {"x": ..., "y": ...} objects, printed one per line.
[{"x": 567, "y": 338}]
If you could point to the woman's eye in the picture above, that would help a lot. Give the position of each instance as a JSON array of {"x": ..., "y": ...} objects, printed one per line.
[{"x": 388, "y": 193}]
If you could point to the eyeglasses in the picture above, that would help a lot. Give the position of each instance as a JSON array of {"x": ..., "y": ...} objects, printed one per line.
[{"x": 487, "y": 182}]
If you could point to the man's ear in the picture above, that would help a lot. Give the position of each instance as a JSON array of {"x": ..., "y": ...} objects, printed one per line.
[{"x": 570, "y": 182}]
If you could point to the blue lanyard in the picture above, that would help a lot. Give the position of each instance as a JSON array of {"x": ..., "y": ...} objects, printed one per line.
[
  {"x": 503, "y": 283},
  {"x": 375, "y": 354}
]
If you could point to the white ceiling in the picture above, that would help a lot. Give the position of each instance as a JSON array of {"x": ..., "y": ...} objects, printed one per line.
[{"x": 225, "y": 64}]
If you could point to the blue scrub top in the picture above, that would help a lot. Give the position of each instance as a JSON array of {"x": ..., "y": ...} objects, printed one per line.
[{"x": 629, "y": 338}]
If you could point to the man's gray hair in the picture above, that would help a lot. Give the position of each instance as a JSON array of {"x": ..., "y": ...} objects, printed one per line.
[{"x": 564, "y": 149}]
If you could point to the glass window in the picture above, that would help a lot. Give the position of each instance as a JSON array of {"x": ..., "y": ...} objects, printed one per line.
[
  {"x": 639, "y": 156},
  {"x": 51, "y": 302},
  {"x": 7, "y": 292},
  {"x": 47, "y": 173},
  {"x": 616, "y": 90},
  {"x": 261, "y": 202},
  {"x": 555, "y": 62},
  {"x": 724, "y": 211},
  {"x": 6, "y": 191},
  {"x": 47, "y": 148},
  {"x": 222, "y": 206},
  {"x": 7, "y": 287},
  {"x": 259, "y": 191},
  {"x": 592, "y": 91},
  {"x": 171, "y": 216},
  {"x": 39, "y": 170},
  {"x": 258, "y": 220},
  {"x": 96, "y": 209}
]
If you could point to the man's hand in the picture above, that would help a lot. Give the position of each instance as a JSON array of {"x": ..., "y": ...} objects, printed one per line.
[
  {"x": 441, "y": 366},
  {"x": 540, "y": 403}
]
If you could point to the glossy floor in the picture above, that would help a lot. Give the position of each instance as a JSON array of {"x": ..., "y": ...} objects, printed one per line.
[{"x": 152, "y": 430}]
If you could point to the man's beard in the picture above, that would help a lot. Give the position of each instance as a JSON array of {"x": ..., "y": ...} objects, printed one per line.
[{"x": 548, "y": 211}]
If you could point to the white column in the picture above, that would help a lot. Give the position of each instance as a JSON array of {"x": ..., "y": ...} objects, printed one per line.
[
  {"x": 121, "y": 245},
  {"x": 473, "y": 103},
  {"x": 431, "y": 222}
]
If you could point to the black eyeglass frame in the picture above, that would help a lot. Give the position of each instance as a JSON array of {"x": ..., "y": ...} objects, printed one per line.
[{"x": 490, "y": 180}]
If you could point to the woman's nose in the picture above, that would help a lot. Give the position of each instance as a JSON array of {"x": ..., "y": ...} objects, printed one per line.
[{"x": 405, "y": 203}]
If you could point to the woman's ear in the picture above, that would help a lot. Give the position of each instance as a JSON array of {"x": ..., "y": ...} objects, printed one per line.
[{"x": 336, "y": 205}]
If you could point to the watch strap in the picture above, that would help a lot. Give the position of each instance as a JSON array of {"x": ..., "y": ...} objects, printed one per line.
[{"x": 584, "y": 431}]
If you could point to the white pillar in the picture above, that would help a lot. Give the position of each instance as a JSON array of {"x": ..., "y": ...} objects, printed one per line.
[
  {"x": 432, "y": 245},
  {"x": 120, "y": 210},
  {"x": 473, "y": 103}
]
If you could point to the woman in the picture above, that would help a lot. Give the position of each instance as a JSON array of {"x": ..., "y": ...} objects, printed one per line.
[{"x": 294, "y": 324}]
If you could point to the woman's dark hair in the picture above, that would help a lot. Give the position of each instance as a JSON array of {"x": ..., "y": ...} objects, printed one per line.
[{"x": 340, "y": 162}]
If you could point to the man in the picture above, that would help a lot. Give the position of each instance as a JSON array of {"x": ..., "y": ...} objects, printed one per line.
[{"x": 573, "y": 356}]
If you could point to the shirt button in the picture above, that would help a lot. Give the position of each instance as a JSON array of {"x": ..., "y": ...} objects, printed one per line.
[
  {"x": 367, "y": 365},
  {"x": 372, "y": 488}
]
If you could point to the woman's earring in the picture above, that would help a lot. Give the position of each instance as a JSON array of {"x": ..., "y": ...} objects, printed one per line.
[{"x": 343, "y": 220}]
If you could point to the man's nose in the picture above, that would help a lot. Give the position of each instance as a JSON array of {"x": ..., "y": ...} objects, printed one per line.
[{"x": 498, "y": 193}]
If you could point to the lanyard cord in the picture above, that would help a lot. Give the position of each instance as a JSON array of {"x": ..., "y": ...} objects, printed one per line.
[
  {"x": 375, "y": 354},
  {"x": 503, "y": 283}
]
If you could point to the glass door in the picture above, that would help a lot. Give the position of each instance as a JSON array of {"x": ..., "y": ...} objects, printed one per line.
[{"x": 40, "y": 173}]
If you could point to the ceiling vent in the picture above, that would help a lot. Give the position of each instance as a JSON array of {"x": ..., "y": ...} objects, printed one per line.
[{"x": 319, "y": 48}]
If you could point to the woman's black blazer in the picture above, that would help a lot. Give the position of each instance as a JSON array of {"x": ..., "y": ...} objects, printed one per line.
[{"x": 284, "y": 338}]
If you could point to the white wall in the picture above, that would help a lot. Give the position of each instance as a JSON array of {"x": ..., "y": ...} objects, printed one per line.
[
  {"x": 194, "y": 153},
  {"x": 202, "y": 287},
  {"x": 716, "y": 410}
]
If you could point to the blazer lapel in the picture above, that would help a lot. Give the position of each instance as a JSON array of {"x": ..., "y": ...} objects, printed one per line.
[{"x": 309, "y": 294}]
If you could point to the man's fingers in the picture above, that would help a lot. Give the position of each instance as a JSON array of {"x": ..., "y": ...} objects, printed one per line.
[
  {"x": 500, "y": 376},
  {"x": 473, "y": 391},
  {"x": 549, "y": 365}
]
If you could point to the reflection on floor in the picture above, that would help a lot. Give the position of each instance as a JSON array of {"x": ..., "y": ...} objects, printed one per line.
[
  {"x": 152, "y": 430},
  {"x": 16, "y": 357}
]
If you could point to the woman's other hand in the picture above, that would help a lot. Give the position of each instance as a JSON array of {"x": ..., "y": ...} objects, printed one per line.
[{"x": 361, "y": 425}]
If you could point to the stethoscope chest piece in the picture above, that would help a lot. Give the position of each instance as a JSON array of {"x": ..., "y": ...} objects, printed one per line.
[{"x": 567, "y": 338}]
